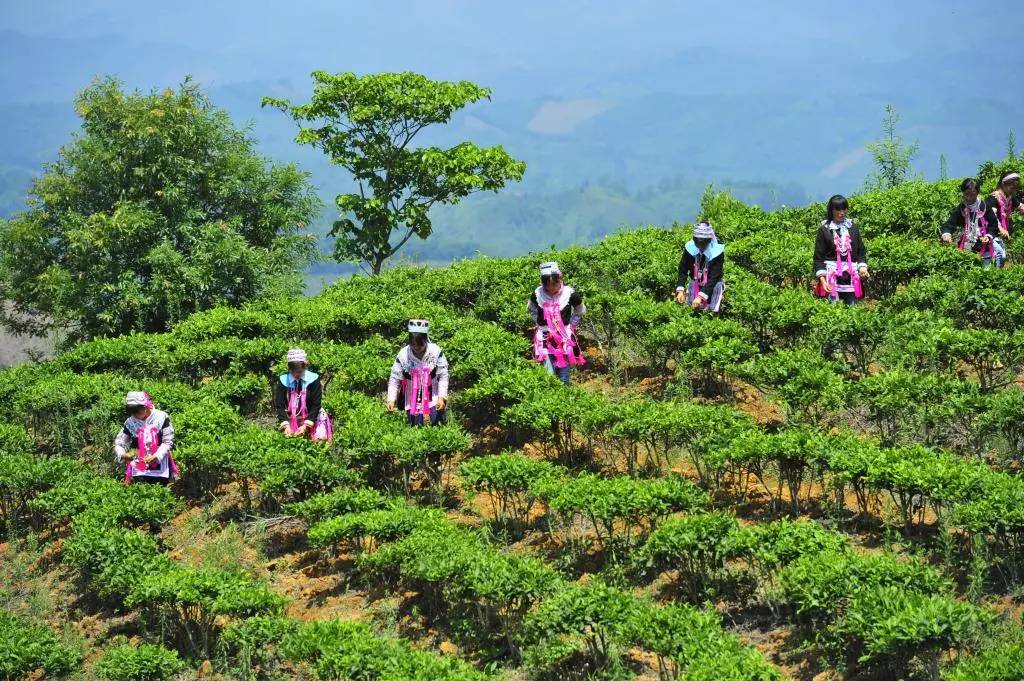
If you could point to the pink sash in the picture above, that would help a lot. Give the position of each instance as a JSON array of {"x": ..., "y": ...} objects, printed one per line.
[
  {"x": 297, "y": 408},
  {"x": 560, "y": 344},
  {"x": 833, "y": 275},
  {"x": 417, "y": 390},
  {"x": 147, "y": 443},
  {"x": 1005, "y": 208}
]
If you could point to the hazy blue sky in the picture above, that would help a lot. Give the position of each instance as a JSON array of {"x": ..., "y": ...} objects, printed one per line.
[{"x": 566, "y": 44}]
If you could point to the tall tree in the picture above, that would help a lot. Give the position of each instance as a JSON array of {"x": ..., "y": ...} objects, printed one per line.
[
  {"x": 158, "y": 208},
  {"x": 893, "y": 159},
  {"x": 366, "y": 124}
]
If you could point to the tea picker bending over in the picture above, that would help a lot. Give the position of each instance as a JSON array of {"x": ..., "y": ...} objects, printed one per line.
[
  {"x": 298, "y": 395},
  {"x": 419, "y": 377},
  {"x": 149, "y": 431},
  {"x": 840, "y": 258},
  {"x": 703, "y": 259},
  {"x": 556, "y": 308}
]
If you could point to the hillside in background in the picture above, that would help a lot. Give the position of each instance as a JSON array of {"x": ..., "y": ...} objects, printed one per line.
[{"x": 792, "y": 490}]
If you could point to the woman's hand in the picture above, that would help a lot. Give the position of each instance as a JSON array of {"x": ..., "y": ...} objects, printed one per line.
[
  {"x": 681, "y": 296},
  {"x": 697, "y": 303},
  {"x": 824, "y": 285},
  {"x": 864, "y": 274},
  {"x": 391, "y": 406},
  {"x": 441, "y": 403},
  {"x": 947, "y": 238}
]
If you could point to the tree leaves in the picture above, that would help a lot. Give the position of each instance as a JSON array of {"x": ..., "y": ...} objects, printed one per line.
[
  {"x": 366, "y": 125},
  {"x": 159, "y": 208}
]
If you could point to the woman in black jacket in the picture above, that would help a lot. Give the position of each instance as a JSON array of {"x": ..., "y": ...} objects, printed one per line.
[
  {"x": 297, "y": 396},
  {"x": 971, "y": 227},
  {"x": 840, "y": 258},
  {"x": 703, "y": 260}
]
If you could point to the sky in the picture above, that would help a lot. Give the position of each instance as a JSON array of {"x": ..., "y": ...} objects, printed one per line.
[{"x": 566, "y": 44}]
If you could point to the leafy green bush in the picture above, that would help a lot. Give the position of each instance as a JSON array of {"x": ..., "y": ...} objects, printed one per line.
[
  {"x": 914, "y": 209},
  {"x": 691, "y": 643},
  {"x": 23, "y": 477},
  {"x": 188, "y": 602},
  {"x": 777, "y": 257},
  {"x": 253, "y": 644},
  {"x": 777, "y": 318},
  {"x": 380, "y": 525},
  {"x": 455, "y": 568},
  {"x": 890, "y": 627},
  {"x": 854, "y": 334},
  {"x": 618, "y": 508},
  {"x": 781, "y": 462},
  {"x": 350, "y": 650},
  {"x": 595, "y": 617},
  {"x": 770, "y": 546},
  {"x": 999, "y": 663},
  {"x": 556, "y": 415},
  {"x": 508, "y": 480},
  {"x": 113, "y": 558},
  {"x": 602, "y": 622},
  {"x": 150, "y": 505},
  {"x": 809, "y": 386},
  {"x": 815, "y": 583},
  {"x": 25, "y": 647},
  {"x": 485, "y": 401},
  {"x": 700, "y": 347},
  {"x": 147, "y": 662},
  {"x": 338, "y": 502},
  {"x": 696, "y": 547}
]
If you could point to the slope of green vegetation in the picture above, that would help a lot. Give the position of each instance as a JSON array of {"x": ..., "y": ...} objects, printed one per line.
[{"x": 790, "y": 490}]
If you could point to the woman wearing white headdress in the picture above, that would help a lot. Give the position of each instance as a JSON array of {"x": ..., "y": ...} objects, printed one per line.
[
  {"x": 144, "y": 443},
  {"x": 298, "y": 394},
  {"x": 1000, "y": 207},
  {"x": 703, "y": 260},
  {"x": 419, "y": 377},
  {"x": 556, "y": 308}
]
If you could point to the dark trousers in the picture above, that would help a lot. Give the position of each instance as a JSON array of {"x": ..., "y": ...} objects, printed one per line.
[
  {"x": 150, "y": 480},
  {"x": 849, "y": 297},
  {"x": 564, "y": 373},
  {"x": 436, "y": 417}
]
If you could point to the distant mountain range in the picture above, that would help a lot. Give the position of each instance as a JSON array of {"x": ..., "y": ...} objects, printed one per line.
[{"x": 635, "y": 146}]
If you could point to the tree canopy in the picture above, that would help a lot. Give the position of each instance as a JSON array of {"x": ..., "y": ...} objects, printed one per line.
[
  {"x": 159, "y": 207},
  {"x": 366, "y": 125}
]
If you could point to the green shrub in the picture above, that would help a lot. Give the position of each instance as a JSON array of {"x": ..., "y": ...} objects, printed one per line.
[
  {"x": 508, "y": 480},
  {"x": 147, "y": 662},
  {"x": 25, "y": 647},
  {"x": 696, "y": 547}
]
